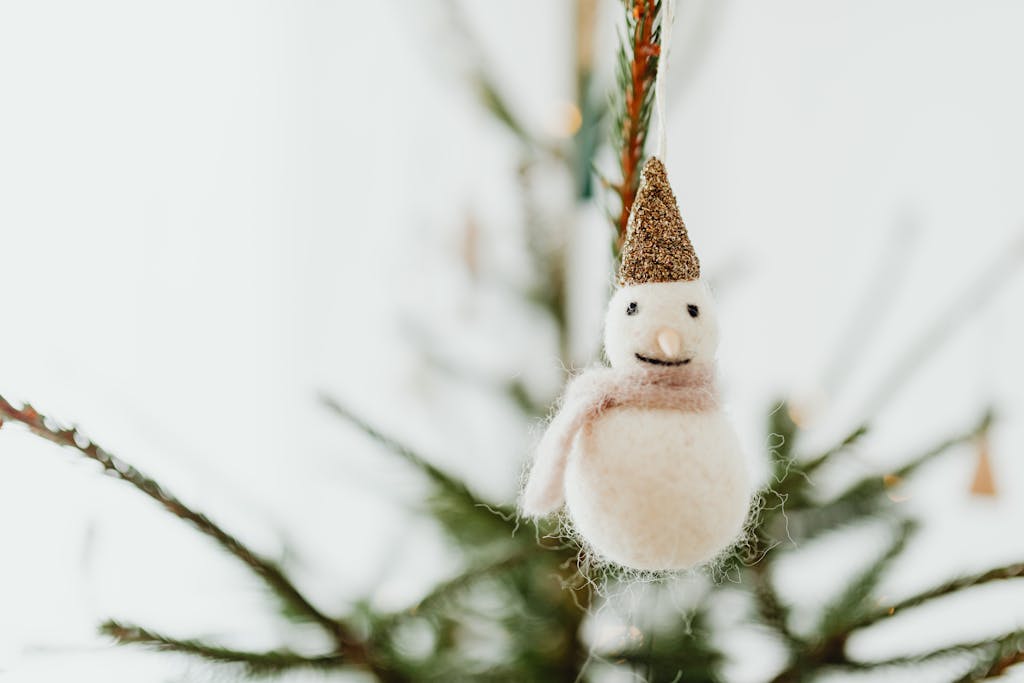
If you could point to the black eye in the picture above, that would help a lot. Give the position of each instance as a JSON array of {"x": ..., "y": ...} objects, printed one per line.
[
  {"x": 692, "y": 310},
  {"x": 632, "y": 308}
]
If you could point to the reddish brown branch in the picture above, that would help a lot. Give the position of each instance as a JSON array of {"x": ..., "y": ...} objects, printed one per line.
[
  {"x": 643, "y": 70},
  {"x": 1000, "y": 666}
]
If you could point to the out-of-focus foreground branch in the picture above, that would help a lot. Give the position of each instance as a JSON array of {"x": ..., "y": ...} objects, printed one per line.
[{"x": 349, "y": 646}]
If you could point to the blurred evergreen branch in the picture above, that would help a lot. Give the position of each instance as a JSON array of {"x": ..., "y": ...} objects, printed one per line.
[
  {"x": 682, "y": 655},
  {"x": 984, "y": 650},
  {"x": 968, "y": 303},
  {"x": 448, "y": 589},
  {"x": 488, "y": 91},
  {"x": 348, "y": 645},
  {"x": 1011, "y": 571},
  {"x": 515, "y": 389},
  {"x": 842, "y": 614},
  {"x": 263, "y": 568},
  {"x": 255, "y": 664},
  {"x": 1002, "y": 654},
  {"x": 809, "y": 517},
  {"x": 523, "y": 591},
  {"x": 811, "y": 466},
  {"x": 451, "y": 486},
  {"x": 771, "y": 609}
]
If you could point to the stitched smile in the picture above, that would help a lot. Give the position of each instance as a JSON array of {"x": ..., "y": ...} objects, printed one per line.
[{"x": 658, "y": 361}]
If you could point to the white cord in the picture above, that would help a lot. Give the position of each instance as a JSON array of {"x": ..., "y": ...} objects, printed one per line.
[{"x": 667, "y": 19}]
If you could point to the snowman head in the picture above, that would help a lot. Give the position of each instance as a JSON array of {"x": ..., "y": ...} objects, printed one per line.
[
  {"x": 662, "y": 315},
  {"x": 661, "y": 324}
]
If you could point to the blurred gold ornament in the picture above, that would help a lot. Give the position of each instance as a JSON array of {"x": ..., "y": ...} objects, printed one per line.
[
  {"x": 891, "y": 483},
  {"x": 891, "y": 480},
  {"x": 586, "y": 20},
  {"x": 984, "y": 483},
  {"x": 571, "y": 120}
]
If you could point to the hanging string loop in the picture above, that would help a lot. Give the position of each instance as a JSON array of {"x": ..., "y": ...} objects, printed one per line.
[{"x": 668, "y": 16}]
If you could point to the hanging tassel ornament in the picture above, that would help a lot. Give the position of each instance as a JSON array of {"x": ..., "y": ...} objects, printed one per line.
[{"x": 983, "y": 484}]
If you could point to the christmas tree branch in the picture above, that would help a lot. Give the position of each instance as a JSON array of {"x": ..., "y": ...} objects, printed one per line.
[
  {"x": 773, "y": 612},
  {"x": 807, "y": 518},
  {"x": 455, "y": 585},
  {"x": 514, "y": 389},
  {"x": 830, "y": 648},
  {"x": 810, "y": 466},
  {"x": 592, "y": 106},
  {"x": 442, "y": 479},
  {"x": 254, "y": 663},
  {"x": 951, "y": 320},
  {"x": 485, "y": 84},
  {"x": 684, "y": 655},
  {"x": 1010, "y": 571},
  {"x": 1009, "y": 651},
  {"x": 873, "y": 485},
  {"x": 263, "y": 568},
  {"x": 637, "y": 70},
  {"x": 1014, "y": 639},
  {"x": 850, "y": 605}
]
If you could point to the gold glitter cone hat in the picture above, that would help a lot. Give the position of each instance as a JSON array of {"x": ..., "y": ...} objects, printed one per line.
[{"x": 657, "y": 248}]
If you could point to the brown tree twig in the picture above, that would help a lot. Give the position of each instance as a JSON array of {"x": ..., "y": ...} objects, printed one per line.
[
  {"x": 1010, "y": 571},
  {"x": 348, "y": 645},
  {"x": 1008, "y": 654},
  {"x": 255, "y": 663},
  {"x": 1014, "y": 638}
]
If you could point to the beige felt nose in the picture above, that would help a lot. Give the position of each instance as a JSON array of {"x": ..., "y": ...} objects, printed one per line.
[{"x": 669, "y": 342}]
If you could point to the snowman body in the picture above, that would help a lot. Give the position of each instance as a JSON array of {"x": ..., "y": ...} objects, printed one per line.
[
  {"x": 642, "y": 453},
  {"x": 657, "y": 489}
]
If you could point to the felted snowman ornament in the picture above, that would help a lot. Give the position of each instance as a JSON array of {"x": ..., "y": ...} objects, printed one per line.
[{"x": 641, "y": 453}]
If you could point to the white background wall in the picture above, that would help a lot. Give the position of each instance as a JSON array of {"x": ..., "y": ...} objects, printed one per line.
[{"x": 210, "y": 211}]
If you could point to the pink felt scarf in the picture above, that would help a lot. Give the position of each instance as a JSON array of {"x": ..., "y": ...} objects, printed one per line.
[
  {"x": 686, "y": 389},
  {"x": 689, "y": 389}
]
